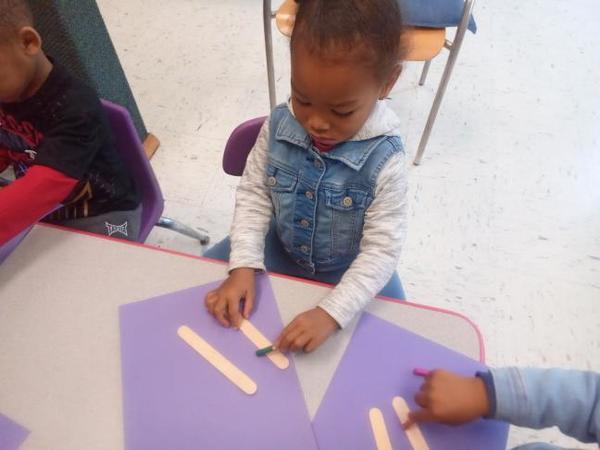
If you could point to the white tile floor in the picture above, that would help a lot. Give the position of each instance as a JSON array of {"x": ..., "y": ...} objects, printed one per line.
[{"x": 505, "y": 218}]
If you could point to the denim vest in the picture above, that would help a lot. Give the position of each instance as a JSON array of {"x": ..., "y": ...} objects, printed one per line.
[{"x": 320, "y": 199}]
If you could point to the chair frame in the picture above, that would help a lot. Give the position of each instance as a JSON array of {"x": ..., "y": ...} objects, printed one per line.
[{"x": 453, "y": 47}]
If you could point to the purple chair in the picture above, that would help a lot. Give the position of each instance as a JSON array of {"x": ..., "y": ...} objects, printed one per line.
[
  {"x": 239, "y": 144},
  {"x": 236, "y": 152},
  {"x": 130, "y": 148}
]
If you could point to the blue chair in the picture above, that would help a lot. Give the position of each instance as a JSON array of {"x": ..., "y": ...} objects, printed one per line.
[{"x": 426, "y": 21}]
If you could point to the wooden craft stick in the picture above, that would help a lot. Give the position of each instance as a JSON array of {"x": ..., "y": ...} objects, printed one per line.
[
  {"x": 257, "y": 338},
  {"x": 380, "y": 433},
  {"x": 216, "y": 359},
  {"x": 414, "y": 435}
]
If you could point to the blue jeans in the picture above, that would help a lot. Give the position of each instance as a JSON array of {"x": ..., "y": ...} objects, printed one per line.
[{"x": 277, "y": 260}]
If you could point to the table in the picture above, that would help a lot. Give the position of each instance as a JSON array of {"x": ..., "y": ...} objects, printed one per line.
[{"x": 60, "y": 373}]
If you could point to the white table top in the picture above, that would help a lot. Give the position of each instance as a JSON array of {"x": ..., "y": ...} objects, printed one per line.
[{"x": 60, "y": 373}]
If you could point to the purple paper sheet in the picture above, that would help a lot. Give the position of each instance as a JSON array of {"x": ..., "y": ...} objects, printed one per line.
[
  {"x": 376, "y": 367},
  {"x": 12, "y": 435},
  {"x": 174, "y": 399}
]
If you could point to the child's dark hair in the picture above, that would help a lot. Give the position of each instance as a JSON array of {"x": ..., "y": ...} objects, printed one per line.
[
  {"x": 14, "y": 14},
  {"x": 367, "y": 30}
]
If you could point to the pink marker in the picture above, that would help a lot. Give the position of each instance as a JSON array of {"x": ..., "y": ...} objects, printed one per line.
[{"x": 420, "y": 372}]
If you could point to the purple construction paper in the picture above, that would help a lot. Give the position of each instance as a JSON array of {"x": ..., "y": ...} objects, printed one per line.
[
  {"x": 376, "y": 367},
  {"x": 174, "y": 399},
  {"x": 12, "y": 435}
]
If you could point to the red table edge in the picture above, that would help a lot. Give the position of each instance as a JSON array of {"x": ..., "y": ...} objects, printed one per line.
[{"x": 317, "y": 283}]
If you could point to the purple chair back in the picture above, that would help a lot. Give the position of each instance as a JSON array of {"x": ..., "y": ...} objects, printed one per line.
[
  {"x": 130, "y": 148},
  {"x": 238, "y": 146}
]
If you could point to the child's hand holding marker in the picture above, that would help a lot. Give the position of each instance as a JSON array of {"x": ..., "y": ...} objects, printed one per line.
[
  {"x": 224, "y": 302},
  {"x": 449, "y": 398},
  {"x": 307, "y": 331}
]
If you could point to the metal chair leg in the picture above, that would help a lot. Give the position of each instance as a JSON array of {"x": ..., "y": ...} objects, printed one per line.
[
  {"x": 454, "y": 50},
  {"x": 424, "y": 72},
  {"x": 267, "y": 17},
  {"x": 198, "y": 234}
]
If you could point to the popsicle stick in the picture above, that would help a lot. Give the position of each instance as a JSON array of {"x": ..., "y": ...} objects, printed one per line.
[
  {"x": 216, "y": 359},
  {"x": 414, "y": 435},
  {"x": 257, "y": 338},
  {"x": 380, "y": 433}
]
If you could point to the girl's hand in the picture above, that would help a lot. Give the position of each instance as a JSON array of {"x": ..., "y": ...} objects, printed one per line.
[
  {"x": 450, "y": 399},
  {"x": 307, "y": 331},
  {"x": 224, "y": 302}
]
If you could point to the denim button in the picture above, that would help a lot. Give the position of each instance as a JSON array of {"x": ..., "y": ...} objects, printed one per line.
[
  {"x": 309, "y": 195},
  {"x": 271, "y": 181},
  {"x": 318, "y": 164},
  {"x": 304, "y": 223},
  {"x": 305, "y": 249},
  {"x": 347, "y": 201}
]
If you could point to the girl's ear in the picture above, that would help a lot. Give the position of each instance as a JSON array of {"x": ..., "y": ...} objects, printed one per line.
[
  {"x": 391, "y": 81},
  {"x": 30, "y": 41}
]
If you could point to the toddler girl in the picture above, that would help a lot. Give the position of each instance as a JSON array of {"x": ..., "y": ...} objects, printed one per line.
[{"x": 325, "y": 182}]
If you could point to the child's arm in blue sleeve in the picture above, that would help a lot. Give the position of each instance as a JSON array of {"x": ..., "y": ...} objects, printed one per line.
[{"x": 540, "y": 398}]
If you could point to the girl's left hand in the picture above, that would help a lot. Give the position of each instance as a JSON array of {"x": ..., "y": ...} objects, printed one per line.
[{"x": 307, "y": 331}]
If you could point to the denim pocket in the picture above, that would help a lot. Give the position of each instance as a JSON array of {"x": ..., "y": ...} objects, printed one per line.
[
  {"x": 347, "y": 209},
  {"x": 282, "y": 186},
  {"x": 280, "y": 180}
]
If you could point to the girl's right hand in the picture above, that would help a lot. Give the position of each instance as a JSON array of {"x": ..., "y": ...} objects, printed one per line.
[{"x": 224, "y": 302}]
